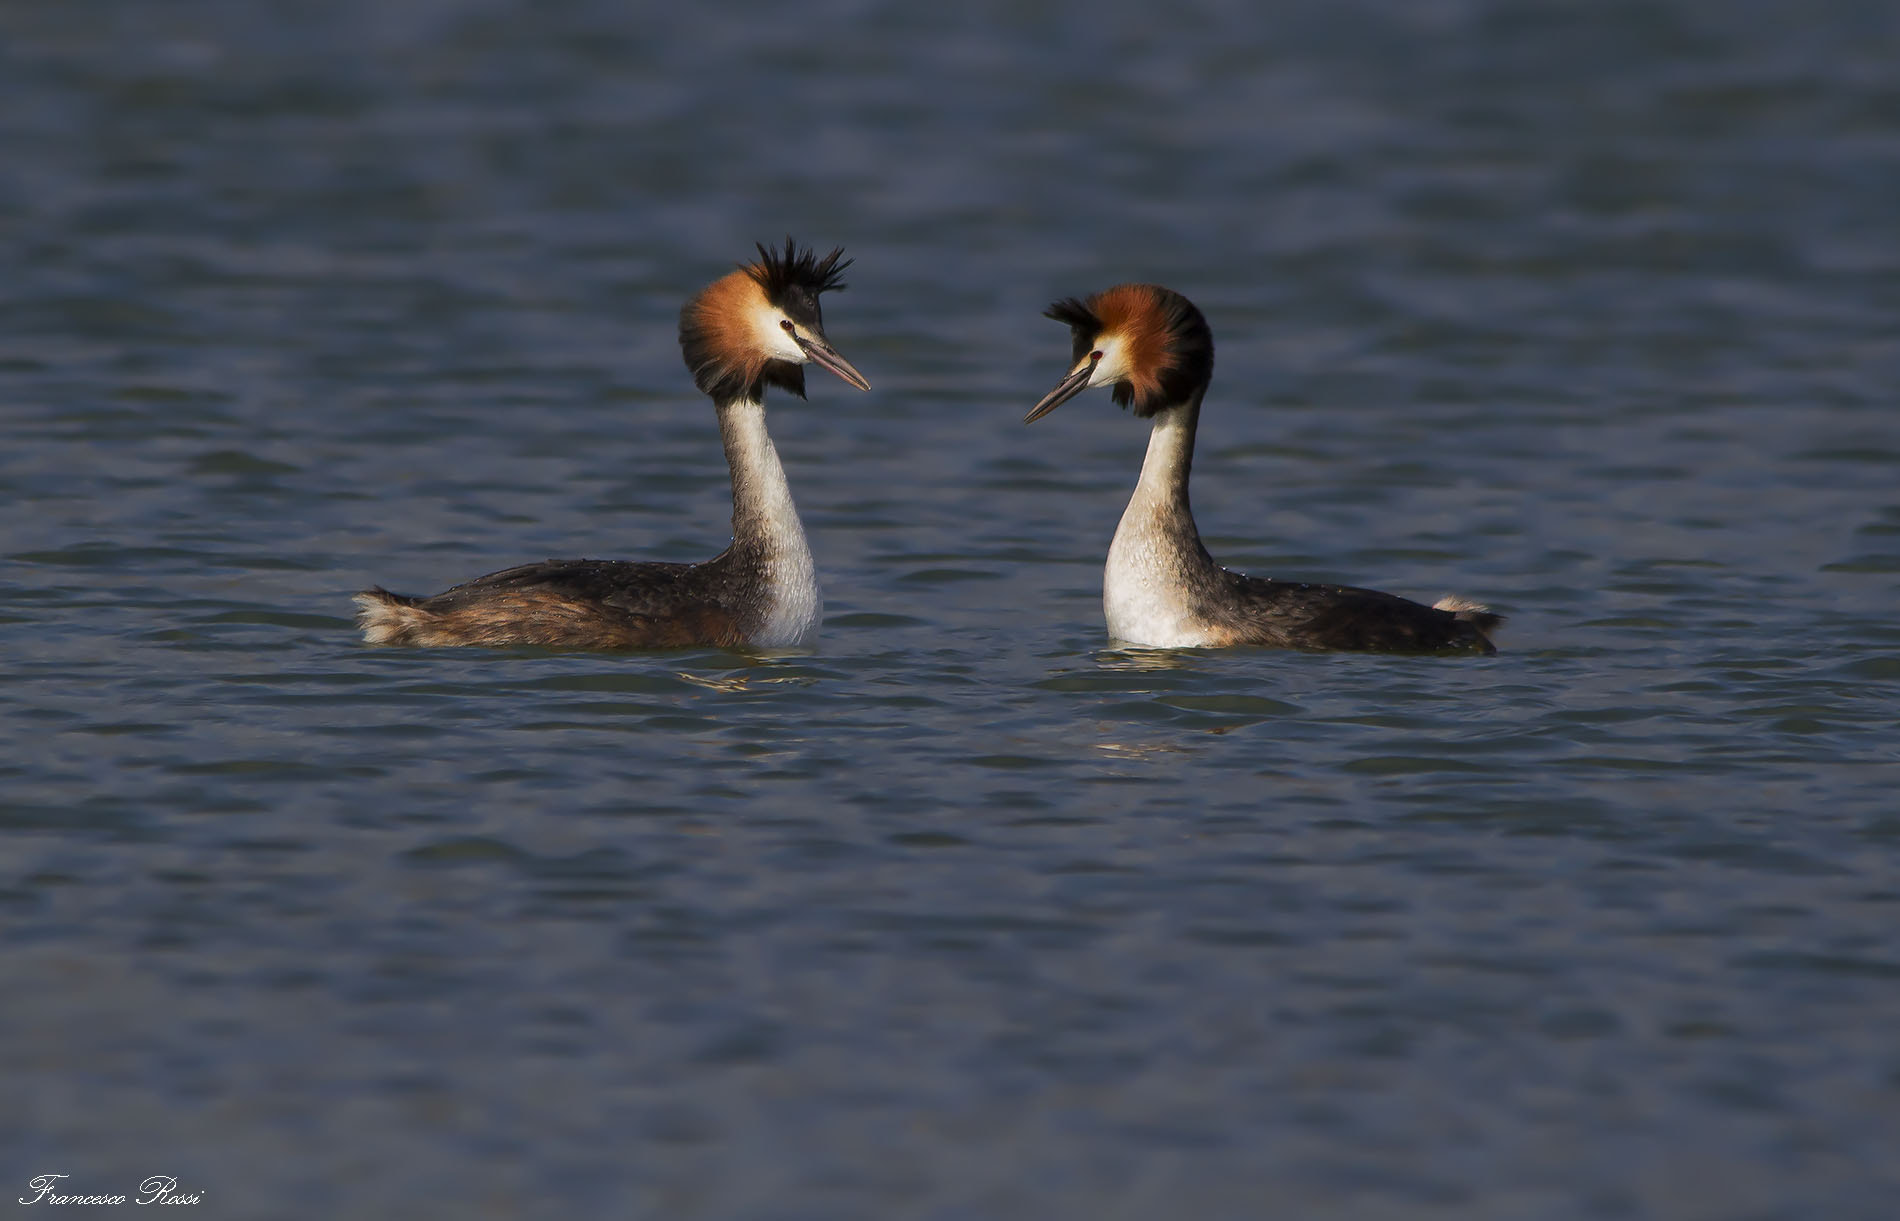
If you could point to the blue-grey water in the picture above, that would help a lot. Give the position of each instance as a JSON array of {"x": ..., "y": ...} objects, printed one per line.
[{"x": 1591, "y": 311}]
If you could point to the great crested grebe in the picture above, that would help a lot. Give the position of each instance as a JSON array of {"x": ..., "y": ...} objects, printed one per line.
[
  {"x": 756, "y": 327},
  {"x": 1161, "y": 588}
]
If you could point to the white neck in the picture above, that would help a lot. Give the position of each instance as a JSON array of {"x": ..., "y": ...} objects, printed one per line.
[
  {"x": 764, "y": 517},
  {"x": 1156, "y": 547}
]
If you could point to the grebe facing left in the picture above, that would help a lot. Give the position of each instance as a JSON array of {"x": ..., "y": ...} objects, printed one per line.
[
  {"x": 756, "y": 327},
  {"x": 1161, "y": 588}
]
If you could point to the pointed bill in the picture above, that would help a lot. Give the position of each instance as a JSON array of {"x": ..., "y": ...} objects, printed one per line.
[
  {"x": 1066, "y": 389},
  {"x": 825, "y": 356}
]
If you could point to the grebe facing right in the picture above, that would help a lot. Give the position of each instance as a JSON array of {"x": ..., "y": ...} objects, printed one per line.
[
  {"x": 1161, "y": 589},
  {"x": 756, "y": 327}
]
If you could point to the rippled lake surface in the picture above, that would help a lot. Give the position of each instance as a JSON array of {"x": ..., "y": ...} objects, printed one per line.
[{"x": 1588, "y": 311}]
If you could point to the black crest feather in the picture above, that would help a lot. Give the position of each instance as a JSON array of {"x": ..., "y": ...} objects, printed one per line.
[
  {"x": 1083, "y": 325},
  {"x": 1073, "y": 312},
  {"x": 792, "y": 280}
]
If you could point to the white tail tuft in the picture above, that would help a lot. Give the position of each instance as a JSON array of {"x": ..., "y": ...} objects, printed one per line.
[
  {"x": 385, "y": 620},
  {"x": 1477, "y": 614}
]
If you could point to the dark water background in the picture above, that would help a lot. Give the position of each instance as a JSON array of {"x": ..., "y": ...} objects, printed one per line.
[{"x": 1586, "y": 310}]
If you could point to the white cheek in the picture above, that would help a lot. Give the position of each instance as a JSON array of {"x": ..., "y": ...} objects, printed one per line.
[
  {"x": 769, "y": 325},
  {"x": 1110, "y": 369}
]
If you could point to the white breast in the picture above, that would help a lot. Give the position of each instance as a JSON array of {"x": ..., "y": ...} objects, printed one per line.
[
  {"x": 1142, "y": 594},
  {"x": 797, "y": 605}
]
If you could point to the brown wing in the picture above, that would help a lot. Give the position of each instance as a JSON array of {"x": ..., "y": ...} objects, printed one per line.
[
  {"x": 568, "y": 604},
  {"x": 1345, "y": 618}
]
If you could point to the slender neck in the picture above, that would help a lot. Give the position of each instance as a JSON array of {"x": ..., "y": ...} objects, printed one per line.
[
  {"x": 764, "y": 520},
  {"x": 777, "y": 592},
  {"x": 1160, "y": 502}
]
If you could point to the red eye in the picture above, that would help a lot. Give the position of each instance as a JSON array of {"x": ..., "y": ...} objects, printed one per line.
[{"x": 789, "y": 328}]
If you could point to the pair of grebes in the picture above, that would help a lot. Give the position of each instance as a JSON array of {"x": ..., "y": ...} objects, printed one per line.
[{"x": 758, "y": 327}]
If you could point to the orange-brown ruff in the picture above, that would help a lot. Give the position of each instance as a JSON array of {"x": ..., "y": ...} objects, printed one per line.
[
  {"x": 1152, "y": 348},
  {"x": 754, "y": 328},
  {"x": 1137, "y": 315},
  {"x": 722, "y": 315}
]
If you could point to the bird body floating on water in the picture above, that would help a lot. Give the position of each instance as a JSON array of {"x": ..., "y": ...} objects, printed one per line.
[
  {"x": 753, "y": 328},
  {"x": 1160, "y": 588}
]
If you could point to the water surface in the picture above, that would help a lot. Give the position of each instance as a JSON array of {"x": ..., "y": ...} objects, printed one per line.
[{"x": 1586, "y": 311}]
